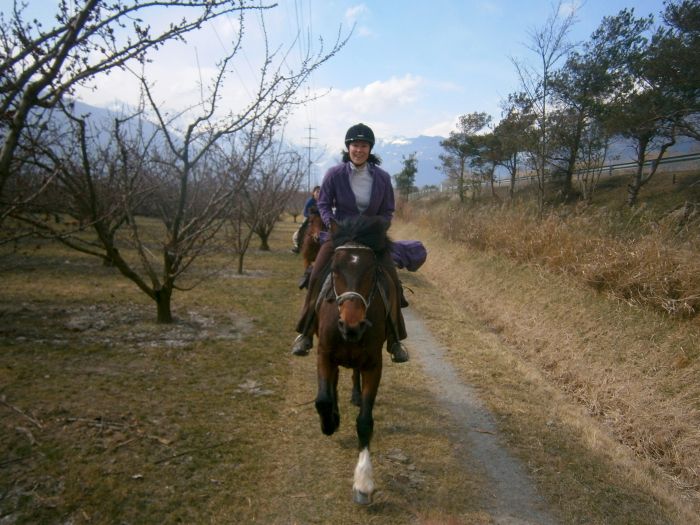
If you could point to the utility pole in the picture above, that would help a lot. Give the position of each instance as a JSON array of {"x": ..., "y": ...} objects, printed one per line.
[{"x": 308, "y": 170}]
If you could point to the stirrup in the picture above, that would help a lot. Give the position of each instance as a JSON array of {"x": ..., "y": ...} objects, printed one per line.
[
  {"x": 398, "y": 352},
  {"x": 302, "y": 344}
]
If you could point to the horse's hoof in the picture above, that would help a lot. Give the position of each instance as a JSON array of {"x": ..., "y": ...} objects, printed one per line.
[
  {"x": 329, "y": 420},
  {"x": 361, "y": 498}
]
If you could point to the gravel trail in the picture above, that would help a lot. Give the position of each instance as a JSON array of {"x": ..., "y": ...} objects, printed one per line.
[{"x": 514, "y": 498}]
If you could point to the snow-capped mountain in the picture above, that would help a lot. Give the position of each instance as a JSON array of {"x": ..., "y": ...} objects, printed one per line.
[{"x": 427, "y": 149}]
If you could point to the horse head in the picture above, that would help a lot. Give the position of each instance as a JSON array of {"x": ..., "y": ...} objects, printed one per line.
[
  {"x": 315, "y": 226},
  {"x": 354, "y": 280},
  {"x": 358, "y": 243}
]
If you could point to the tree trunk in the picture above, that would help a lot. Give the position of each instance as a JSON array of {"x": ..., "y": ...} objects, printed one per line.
[
  {"x": 494, "y": 195},
  {"x": 634, "y": 186},
  {"x": 639, "y": 179},
  {"x": 264, "y": 246},
  {"x": 567, "y": 186},
  {"x": 163, "y": 299}
]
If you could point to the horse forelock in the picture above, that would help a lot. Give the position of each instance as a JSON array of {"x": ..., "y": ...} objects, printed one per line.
[{"x": 368, "y": 231}]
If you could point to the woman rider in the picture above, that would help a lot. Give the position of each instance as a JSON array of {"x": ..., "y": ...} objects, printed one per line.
[{"x": 355, "y": 186}]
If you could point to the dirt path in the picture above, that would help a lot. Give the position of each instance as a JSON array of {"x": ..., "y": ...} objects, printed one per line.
[
  {"x": 437, "y": 453},
  {"x": 514, "y": 499}
]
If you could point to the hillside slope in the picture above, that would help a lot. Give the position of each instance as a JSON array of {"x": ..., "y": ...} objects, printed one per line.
[{"x": 627, "y": 370}]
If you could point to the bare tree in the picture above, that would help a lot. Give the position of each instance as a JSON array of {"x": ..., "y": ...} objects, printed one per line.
[
  {"x": 274, "y": 182},
  {"x": 512, "y": 133},
  {"x": 295, "y": 204},
  {"x": 550, "y": 45},
  {"x": 41, "y": 65},
  {"x": 460, "y": 148},
  {"x": 488, "y": 156},
  {"x": 105, "y": 186},
  {"x": 593, "y": 152}
]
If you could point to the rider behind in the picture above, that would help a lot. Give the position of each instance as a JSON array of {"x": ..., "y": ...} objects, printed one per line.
[{"x": 310, "y": 203}]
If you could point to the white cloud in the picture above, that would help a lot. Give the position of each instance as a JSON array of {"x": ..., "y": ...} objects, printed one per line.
[
  {"x": 373, "y": 103},
  {"x": 364, "y": 31},
  {"x": 387, "y": 106},
  {"x": 490, "y": 7},
  {"x": 352, "y": 18},
  {"x": 353, "y": 13},
  {"x": 382, "y": 95},
  {"x": 569, "y": 8},
  {"x": 441, "y": 129}
]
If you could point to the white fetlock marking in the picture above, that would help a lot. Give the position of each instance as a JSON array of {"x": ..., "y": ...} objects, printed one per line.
[{"x": 363, "y": 473}]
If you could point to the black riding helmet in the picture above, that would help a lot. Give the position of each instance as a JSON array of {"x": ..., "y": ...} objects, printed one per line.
[{"x": 360, "y": 132}]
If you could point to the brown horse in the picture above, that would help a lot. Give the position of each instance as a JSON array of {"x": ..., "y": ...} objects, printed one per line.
[
  {"x": 311, "y": 243},
  {"x": 351, "y": 324}
]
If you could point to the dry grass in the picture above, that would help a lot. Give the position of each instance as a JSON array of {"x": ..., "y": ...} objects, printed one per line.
[
  {"x": 107, "y": 417},
  {"x": 633, "y": 369},
  {"x": 649, "y": 262}
]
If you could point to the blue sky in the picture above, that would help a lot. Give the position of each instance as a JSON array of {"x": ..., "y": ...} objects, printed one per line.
[{"x": 410, "y": 68}]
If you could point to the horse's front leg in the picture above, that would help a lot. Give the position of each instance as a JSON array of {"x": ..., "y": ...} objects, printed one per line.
[
  {"x": 356, "y": 398},
  {"x": 363, "y": 484},
  {"x": 326, "y": 398}
]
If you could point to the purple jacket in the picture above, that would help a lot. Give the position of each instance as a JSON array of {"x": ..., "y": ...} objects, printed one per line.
[{"x": 337, "y": 193}]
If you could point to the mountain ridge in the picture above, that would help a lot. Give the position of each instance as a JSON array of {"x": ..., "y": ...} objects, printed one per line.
[{"x": 393, "y": 150}]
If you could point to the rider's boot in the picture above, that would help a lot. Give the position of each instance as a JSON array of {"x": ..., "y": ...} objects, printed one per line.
[
  {"x": 303, "y": 343},
  {"x": 398, "y": 351},
  {"x": 299, "y": 237},
  {"x": 304, "y": 281}
]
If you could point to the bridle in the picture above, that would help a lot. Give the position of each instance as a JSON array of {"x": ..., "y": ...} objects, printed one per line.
[{"x": 341, "y": 298}]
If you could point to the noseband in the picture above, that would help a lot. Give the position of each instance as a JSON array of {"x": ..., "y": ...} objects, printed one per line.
[{"x": 341, "y": 298}]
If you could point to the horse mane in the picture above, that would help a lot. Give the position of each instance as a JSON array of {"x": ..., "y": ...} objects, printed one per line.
[{"x": 370, "y": 231}]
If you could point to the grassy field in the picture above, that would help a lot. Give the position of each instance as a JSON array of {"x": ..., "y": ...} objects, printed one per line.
[{"x": 108, "y": 417}]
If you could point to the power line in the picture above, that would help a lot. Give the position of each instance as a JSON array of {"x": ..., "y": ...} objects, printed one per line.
[{"x": 309, "y": 148}]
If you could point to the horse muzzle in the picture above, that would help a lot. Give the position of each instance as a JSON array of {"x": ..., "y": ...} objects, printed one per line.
[{"x": 353, "y": 333}]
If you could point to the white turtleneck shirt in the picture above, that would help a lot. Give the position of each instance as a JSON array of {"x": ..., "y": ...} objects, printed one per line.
[{"x": 361, "y": 184}]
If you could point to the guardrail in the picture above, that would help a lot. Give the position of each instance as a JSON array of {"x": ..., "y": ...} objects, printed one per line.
[{"x": 609, "y": 169}]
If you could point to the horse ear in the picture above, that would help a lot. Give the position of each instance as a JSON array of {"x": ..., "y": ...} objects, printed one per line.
[{"x": 333, "y": 227}]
